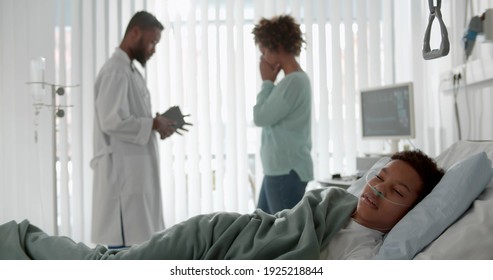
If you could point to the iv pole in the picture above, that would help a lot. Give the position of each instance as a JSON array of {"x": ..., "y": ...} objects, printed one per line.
[{"x": 57, "y": 112}]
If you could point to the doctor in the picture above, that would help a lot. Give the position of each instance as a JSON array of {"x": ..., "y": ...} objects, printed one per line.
[{"x": 127, "y": 207}]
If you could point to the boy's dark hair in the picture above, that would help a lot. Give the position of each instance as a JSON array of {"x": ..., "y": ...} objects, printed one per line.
[
  {"x": 144, "y": 21},
  {"x": 280, "y": 31},
  {"x": 425, "y": 166}
]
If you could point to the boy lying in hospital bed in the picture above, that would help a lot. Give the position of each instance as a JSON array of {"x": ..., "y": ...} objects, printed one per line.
[{"x": 327, "y": 223}]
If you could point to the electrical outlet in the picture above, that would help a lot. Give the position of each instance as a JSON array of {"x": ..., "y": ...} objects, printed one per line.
[
  {"x": 458, "y": 75},
  {"x": 474, "y": 75}
]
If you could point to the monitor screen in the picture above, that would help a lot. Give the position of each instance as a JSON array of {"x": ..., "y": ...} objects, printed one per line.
[{"x": 388, "y": 112}]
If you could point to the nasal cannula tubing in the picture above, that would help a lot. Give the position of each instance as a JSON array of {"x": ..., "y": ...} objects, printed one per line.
[{"x": 379, "y": 193}]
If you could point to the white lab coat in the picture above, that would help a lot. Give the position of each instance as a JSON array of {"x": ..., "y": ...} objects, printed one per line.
[{"x": 127, "y": 206}]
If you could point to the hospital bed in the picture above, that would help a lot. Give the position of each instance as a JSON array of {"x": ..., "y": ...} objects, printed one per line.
[
  {"x": 455, "y": 221},
  {"x": 470, "y": 236}
]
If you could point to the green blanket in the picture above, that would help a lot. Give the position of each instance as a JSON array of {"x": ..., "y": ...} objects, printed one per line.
[{"x": 298, "y": 233}]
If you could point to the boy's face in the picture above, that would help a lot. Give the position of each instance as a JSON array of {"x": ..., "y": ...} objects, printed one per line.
[{"x": 401, "y": 186}]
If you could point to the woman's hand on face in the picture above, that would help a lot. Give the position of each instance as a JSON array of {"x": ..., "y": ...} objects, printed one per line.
[{"x": 268, "y": 71}]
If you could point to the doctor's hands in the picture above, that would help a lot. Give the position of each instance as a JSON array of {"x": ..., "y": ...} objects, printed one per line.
[
  {"x": 268, "y": 71},
  {"x": 174, "y": 113},
  {"x": 164, "y": 126}
]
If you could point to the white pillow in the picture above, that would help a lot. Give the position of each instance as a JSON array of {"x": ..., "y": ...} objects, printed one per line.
[
  {"x": 453, "y": 195},
  {"x": 471, "y": 234}
]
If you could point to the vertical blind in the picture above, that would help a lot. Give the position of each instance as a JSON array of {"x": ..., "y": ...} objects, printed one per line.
[{"x": 206, "y": 63}]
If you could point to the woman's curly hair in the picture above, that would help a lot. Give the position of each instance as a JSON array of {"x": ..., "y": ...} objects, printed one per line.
[
  {"x": 425, "y": 166},
  {"x": 280, "y": 31}
]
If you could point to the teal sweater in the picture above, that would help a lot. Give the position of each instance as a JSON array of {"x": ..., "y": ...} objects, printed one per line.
[{"x": 284, "y": 113}]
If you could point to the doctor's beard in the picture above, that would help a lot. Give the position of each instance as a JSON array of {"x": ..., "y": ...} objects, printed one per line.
[{"x": 140, "y": 53}]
